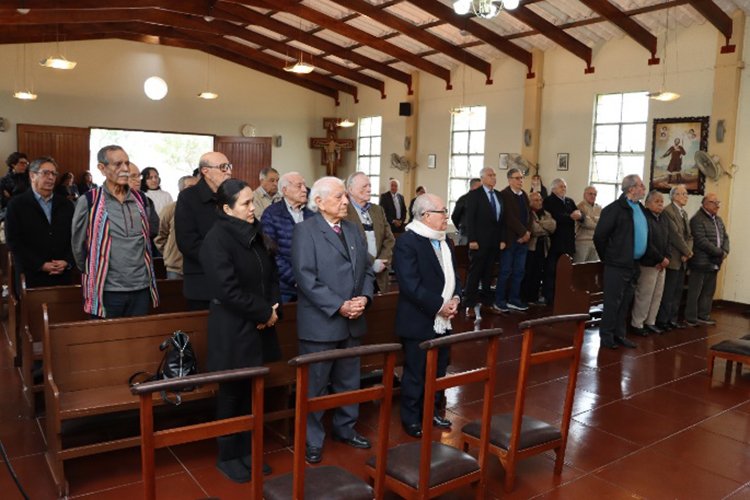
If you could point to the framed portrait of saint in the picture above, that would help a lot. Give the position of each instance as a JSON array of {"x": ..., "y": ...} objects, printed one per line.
[{"x": 673, "y": 147}]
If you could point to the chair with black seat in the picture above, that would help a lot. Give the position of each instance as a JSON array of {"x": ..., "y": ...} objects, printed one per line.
[
  {"x": 731, "y": 350},
  {"x": 330, "y": 482},
  {"x": 514, "y": 436},
  {"x": 150, "y": 440},
  {"x": 426, "y": 469}
]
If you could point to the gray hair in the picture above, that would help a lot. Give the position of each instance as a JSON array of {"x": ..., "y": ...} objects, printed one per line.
[
  {"x": 350, "y": 179},
  {"x": 629, "y": 181},
  {"x": 322, "y": 189},
  {"x": 557, "y": 182},
  {"x": 485, "y": 170},
  {"x": 37, "y": 164},
  {"x": 474, "y": 181},
  {"x": 673, "y": 191},
  {"x": 181, "y": 181},
  {"x": 398, "y": 183},
  {"x": 102, "y": 157},
  {"x": 423, "y": 204},
  {"x": 590, "y": 187},
  {"x": 264, "y": 173},
  {"x": 284, "y": 180},
  {"x": 513, "y": 171},
  {"x": 651, "y": 194}
]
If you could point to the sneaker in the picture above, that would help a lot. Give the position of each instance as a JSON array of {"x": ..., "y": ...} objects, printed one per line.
[
  {"x": 708, "y": 320},
  {"x": 518, "y": 307},
  {"x": 500, "y": 307},
  {"x": 691, "y": 322}
]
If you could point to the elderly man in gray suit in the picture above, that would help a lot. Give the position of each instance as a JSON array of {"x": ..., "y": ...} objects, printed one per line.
[{"x": 335, "y": 284}]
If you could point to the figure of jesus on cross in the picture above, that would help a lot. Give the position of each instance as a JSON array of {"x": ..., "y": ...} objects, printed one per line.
[{"x": 331, "y": 147}]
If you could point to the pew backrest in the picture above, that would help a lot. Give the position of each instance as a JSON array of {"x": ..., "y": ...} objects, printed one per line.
[{"x": 577, "y": 286}]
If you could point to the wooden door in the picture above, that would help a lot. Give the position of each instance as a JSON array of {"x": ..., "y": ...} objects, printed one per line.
[
  {"x": 69, "y": 146},
  {"x": 249, "y": 155}
]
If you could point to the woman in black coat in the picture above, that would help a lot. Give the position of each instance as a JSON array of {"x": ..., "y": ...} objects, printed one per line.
[{"x": 244, "y": 290}]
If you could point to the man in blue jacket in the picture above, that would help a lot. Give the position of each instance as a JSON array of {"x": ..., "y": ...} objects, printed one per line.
[
  {"x": 278, "y": 222},
  {"x": 621, "y": 238}
]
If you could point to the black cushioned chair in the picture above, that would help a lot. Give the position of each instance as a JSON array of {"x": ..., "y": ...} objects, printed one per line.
[
  {"x": 732, "y": 350},
  {"x": 516, "y": 436}
]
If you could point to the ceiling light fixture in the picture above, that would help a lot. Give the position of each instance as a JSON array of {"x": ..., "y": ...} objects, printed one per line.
[
  {"x": 155, "y": 88},
  {"x": 663, "y": 95},
  {"x": 346, "y": 123},
  {"x": 299, "y": 67},
  {"x": 57, "y": 63},
  {"x": 486, "y": 9},
  {"x": 27, "y": 94},
  {"x": 207, "y": 94}
]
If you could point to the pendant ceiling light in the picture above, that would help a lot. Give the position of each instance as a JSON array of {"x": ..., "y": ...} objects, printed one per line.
[
  {"x": 462, "y": 110},
  {"x": 26, "y": 94},
  {"x": 57, "y": 61},
  {"x": 155, "y": 88},
  {"x": 663, "y": 95},
  {"x": 486, "y": 9},
  {"x": 299, "y": 67},
  {"x": 207, "y": 94}
]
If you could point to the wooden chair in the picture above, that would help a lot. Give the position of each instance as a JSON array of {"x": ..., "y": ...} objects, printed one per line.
[
  {"x": 732, "y": 350},
  {"x": 13, "y": 336},
  {"x": 329, "y": 482},
  {"x": 424, "y": 469},
  {"x": 514, "y": 436},
  {"x": 150, "y": 440}
]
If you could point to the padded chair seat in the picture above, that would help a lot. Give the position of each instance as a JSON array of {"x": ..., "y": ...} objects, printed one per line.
[
  {"x": 447, "y": 463},
  {"x": 733, "y": 346},
  {"x": 533, "y": 432},
  {"x": 321, "y": 483}
]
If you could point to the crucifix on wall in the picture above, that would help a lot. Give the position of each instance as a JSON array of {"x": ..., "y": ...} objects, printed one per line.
[{"x": 331, "y": 147}]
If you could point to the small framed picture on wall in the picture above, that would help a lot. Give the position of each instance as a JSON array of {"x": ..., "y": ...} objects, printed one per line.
[
  {"x": 431, "y": 161},
  {"x": 503, "y": 161},
  {"x": 563, "y": 160}
]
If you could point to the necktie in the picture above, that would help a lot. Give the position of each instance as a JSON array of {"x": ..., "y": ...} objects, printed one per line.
[
  {"x": 397, "y": 205},
  {"x": 340, "y": 233},
  {"x": 684, "y": 222},
  {"x": 494, "y": 204}
]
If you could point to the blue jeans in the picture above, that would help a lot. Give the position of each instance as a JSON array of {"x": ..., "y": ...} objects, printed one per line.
[
  {"x": 171, "y": 275},
  {"x": 513, "y": 267},
  {"x": 125, "y": 304}
]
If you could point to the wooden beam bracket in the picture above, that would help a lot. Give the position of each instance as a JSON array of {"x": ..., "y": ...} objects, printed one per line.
[{"x": 654, "y": 61}]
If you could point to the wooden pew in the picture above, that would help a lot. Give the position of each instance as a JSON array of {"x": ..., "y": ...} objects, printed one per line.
[
  {"x": 578, "y": 287},
  {"x": 65, "y": 304},
  {"x": 12, "y": 331},
  {"x": 461, "y": 253}
]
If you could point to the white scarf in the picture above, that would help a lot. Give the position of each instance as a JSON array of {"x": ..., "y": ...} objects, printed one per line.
[{"x": 441, "y": 324}]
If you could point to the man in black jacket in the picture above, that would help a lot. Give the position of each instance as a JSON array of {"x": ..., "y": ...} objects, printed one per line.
[
  {"x": 563, "y": 240},
  {"x": 195, "y": 214},
  {"x": 621, "y": 238},
  {"x": 394, "y": 206},
  {"x": 38, "y": 227},
  {"x": 459, "y": 211}
]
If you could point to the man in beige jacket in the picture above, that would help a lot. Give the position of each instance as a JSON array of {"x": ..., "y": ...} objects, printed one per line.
[
  {"x": 542, "y": 227},
  {"x": 268, "y": 192},
  {"x": 166, "y": 241},
  {"x": 585, "y": 250}
]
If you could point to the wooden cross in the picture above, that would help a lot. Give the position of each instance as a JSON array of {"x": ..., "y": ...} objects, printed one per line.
[{"x": 331, "y": 147}]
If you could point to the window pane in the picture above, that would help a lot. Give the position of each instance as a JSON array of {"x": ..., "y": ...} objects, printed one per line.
[
  {"x": 375, "y": 146},
  {"x": 478, "y": 118},
  {"x": 460, "y": 166},
  {"x": 633, "y": 138},
  {"x": 364, "y": 126},
  {"x": 460, "y": 142},
  {"x": 608, "y": 108},
  {"x": 376, "y": 124},
  {"x": 374, "y": 168},
  {"x": 607, "y": 138},
  {"x": 461, "y": 122},
  {"x": 631, "y": 165},
  {"x": 363, "y": 164},
  {"x": 476, "y": 163},
  {"x": 605, "y": 169},
  {"x": 374, "y": 199},
  {"x": 458, "y": 188},
  {"x": 476, "y": 142},
  {"x": 634, "y": 107},
  {"x": 364, "y": 146},
  {"x": 606, "y": 193}
]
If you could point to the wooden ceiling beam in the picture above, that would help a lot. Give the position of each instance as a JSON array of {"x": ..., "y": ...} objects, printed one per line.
[
  {"x": 195, "y": 7},
  {"x": 413, "y": 31},
  {"x": 715, "y": 16},
  {"x": 490, "y": 37},
  {"x": 253, "y": 17},
  {"x": 620, "y": 19},
  {"x": 355, "y": 34}
]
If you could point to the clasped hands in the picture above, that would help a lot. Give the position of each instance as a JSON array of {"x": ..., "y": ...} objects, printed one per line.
[
  {"x": 55, "y": 267},
  {"x": 272, "y": 320},
  {"x": 353, "y": 309},
  {"x": 449, "y": 309}
]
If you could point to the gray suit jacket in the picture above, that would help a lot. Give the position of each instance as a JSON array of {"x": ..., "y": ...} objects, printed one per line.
[
  {"x": 327, "y": 275},
  {"x": 384, "y": 239},
  {"x": 680, "y": 236}
]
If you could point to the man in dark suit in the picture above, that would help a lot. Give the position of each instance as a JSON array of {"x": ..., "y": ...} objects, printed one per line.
[
  {"x": 335, "y": 284},
  {"x": 38, "y": 225},
  {"x": 194, "y": 215},
  {"x": 429, "y": 293},
  {"x": 459, "y": 211},
  {"x": 484, "y": 223},
  {"x": 395, "y": 207},
  {"x": 563, "y": 240}
]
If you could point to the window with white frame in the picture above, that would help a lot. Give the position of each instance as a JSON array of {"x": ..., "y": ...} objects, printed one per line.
[
  {"x": 368, "y": 151},
  {"x": 619, "y": 143},
  {"x": 467, "y": 150}
]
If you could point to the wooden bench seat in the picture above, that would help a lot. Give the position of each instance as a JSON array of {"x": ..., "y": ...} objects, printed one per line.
[{"x": 579, "y": 288}]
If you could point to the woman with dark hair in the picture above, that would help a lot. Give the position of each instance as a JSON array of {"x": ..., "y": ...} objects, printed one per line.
[
  {"x": 151, "y": 185},
  {"x": 87, "y": 185},
  {"x": 17, "y": 178},
  {"x": 67, "y": 187},
  {"x": 244, "y": 289},
  {"x": 420, "y": 191}
]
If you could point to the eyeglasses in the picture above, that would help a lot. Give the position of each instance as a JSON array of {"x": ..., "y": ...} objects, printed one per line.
[
  {"x": 443, "y": 211},
  {"x": 23, "y": 162},
  {"x": 517, "y": 178},
  {"x": 714, "y": 203},
  {"x": 48, "y": 173},
  {"x": 224, "y": 167}
]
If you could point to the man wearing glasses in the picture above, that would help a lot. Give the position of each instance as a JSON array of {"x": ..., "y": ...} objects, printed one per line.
[
  {"x": 16, "y": 176},
  {"x": 711, "y": 247},
  {"x": 195, "y": 214},
  {"x": 38, "y": 229}
]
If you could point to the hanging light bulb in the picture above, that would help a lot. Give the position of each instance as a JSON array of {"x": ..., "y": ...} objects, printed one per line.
[
  {"x": 486, "y": 9},
  {"x": 299, "y": 67},
  {"x": 208, "y": 95},
  {"x": 58, "y": 62},
  {"x": 25, "y": 96},
  {"x": 155, "y": 88},
  {"x": 346, "y": 123},
  {"x": 462, "y": 7}
]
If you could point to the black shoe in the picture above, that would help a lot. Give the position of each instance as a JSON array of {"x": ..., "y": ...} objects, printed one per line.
[
  {"x": 355, "y": 441},
  {"x": 609, "y": 344},
  {"x": 625, "y": 342},
  {"x": 441, "y": 422},
  {"x": 313, "y": 454},
  {"x": 664, "y": 327},
  {"x": 691, "y": 322},
  {"x": 246, "y": 461},
  {"x": 413, "y": 430},
  {"x": 234, "y": 470},
  {"x": 676, "y": 325},
  {"x": 641, "y": 332},
  {"x": 708, "y": 320},
  {"x": 653, "y": 329}
]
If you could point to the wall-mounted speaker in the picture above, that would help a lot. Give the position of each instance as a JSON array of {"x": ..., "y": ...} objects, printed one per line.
[
  {"x": 404, "y": 109},
  {"x": 277, "y": 141}
]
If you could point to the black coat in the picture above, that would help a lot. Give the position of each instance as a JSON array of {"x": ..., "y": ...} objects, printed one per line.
[
  {"x": 481, "y": 225},
  {"x": 243, "y": 286},
  {"x": 563, "y": 240},
  {"x": 34, "y": 241},
  {"x": 195, "y": 214},
  {"x": 614, "y": 236},
  {"x": 459, "y": 214},
  {"x": 658, "y": 240},
  {"x": 386, "y": 201},
  {"x": 708, "y": 252}
]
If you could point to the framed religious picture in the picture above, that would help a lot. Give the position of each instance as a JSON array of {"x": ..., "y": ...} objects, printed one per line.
[
  {"x": 673, "y": 147},
  {"x": 563, "y": 160},
  {"x": 504, "y": 161},
  {"x": 431, "y": 161}
]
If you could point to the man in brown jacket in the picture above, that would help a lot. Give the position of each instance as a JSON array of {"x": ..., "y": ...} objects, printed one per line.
[
  {"x": 517, "y": 217},
  {"x": 585, "y": 249},
  {"x": 166, "y": 240}
]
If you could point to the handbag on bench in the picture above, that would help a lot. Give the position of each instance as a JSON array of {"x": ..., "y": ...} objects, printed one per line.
[{"x": 179, "y": 361}]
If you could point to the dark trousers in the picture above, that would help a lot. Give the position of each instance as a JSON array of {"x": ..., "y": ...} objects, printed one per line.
[
  {"x": 198, "y": 305},
  {"x": 413, "y": 380},
  {"x": 125, "y": 304},
  {"x": 481, "y": 269},
  {"x": 550, "y": 275},
  {"x": 512, "y": 267},
  {"x": 532, "y": 278},
  {"x": 343, "y": 375},
  {"x": 674, "y": 281},
  {"x": 234, "y": 399},
  {"x": 619, "y": 289},
  {"x": 700, "y": 296}
]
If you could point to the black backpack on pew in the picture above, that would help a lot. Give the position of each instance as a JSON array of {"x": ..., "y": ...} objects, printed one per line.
[{"x": 179, "y": 361}]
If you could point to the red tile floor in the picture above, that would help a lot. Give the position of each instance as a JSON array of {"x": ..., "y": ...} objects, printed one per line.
[{"x": 648, "y": 423}]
